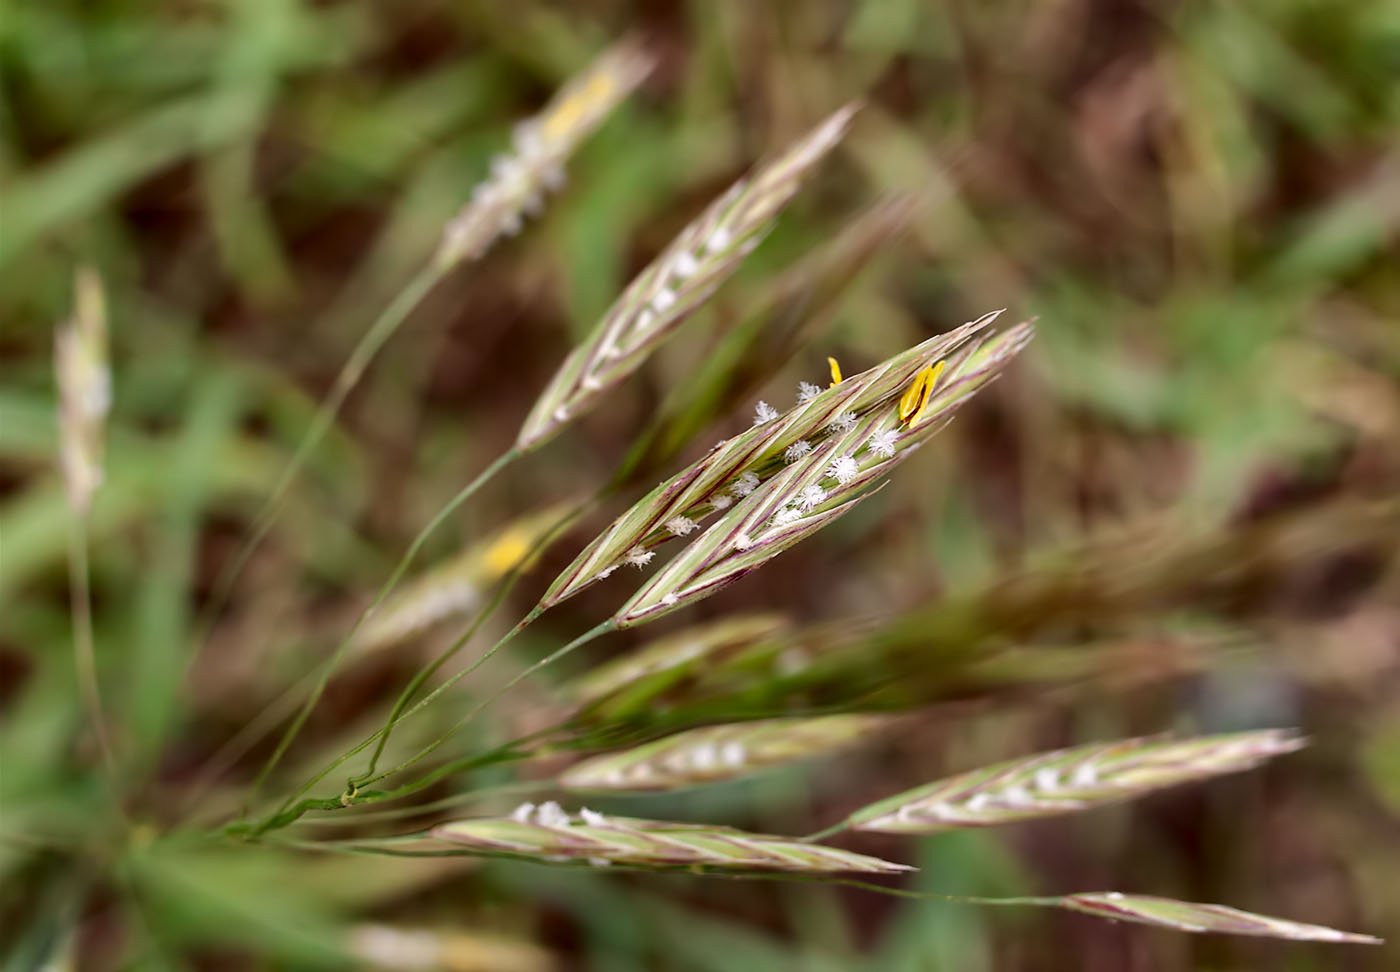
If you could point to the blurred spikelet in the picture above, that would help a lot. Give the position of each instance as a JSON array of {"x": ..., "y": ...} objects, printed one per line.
[
  {"x": 458, "y": 585},
  {"x": 1190, "y": 917},
  {"x": 677, "y": 282},
  {"x": 387, "y": 947},
  {"x": 84, "y": 390},
  {"x": 718, "y": 753},
  {"x": 670, "y": 658},
  {"x": 519, "y": 182},
  {"x": 547, "y": 833},
  {"x": 737, "y": 466},
  {"x": 1070, "y": 780}
]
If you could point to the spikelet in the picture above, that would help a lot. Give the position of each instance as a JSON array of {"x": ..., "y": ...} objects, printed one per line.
[
  {"x": 676, "y": 283},
  {"x": 519, "y": 182},
  {"x": 458, "y": 585},
  {"x": 84, "y": 390},
  {"x": 1070, "y": 780},
  {"x": 720, "y": 753},
  {"x": 1191, "y": 917},
  {"x": 671, "y": 657},
  {"x": 548, "y": 834},
  {"x": 411, "y": 949},
  {"x": 738, "y": 465},
  {"x": 801, "y": 499}
]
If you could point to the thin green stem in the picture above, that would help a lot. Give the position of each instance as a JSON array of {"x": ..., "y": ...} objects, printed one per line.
[
  {"x": 821, "y": 835},
  {"x": 84, "y": 651},
  {"x": 502, "y": 590},
  {"x": 404, "y": 562},
  {"x": 363, "y": 353},
  {"x": 447, "y": 802},
  {"x": 370, "y": 740},
  {"x": 432, "y": 747}
]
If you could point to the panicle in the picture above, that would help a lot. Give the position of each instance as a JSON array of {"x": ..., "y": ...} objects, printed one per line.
[{"x": 520, "y": 180}]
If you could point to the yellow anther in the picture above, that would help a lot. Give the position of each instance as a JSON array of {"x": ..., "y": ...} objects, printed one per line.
[
  {"x": 915, "y": 400},
  {"x": 594, "y": 92},
  {"x": 835, "y": 371},
  {"x": 506, "y": 553}
]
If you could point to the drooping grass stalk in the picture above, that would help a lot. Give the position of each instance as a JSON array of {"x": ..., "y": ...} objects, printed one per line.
[
  {"x": 502, "y": 590},
  {"x": 328, "y": 669},
  {"x": 361, "y": 355},
  {"x": 583, "y": 639}
]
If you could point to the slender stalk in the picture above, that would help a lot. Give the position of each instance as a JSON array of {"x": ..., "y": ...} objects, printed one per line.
[
  {"x": 447, "y": 802},
  {"x": 404, "y": 562},
  {"x": 84, "y": 652},
  {"x": 363, "y": 353},
  {"x": 427, "y": 750},
  {"x": 374, "y": 736},
  {"x": 826, "y": 832},
  {"x": 502, "y": 590}
]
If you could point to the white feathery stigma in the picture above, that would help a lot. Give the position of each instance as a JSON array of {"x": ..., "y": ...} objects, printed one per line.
[
  {"x": 764, "y": 413},
  {"x": 592, "y": 817},
  {"x": 719, "y": 240},
  {"x": 721, "y": 502},
  {"x": 521, "y": 814},
  {"x": 744, "y": 485},
  {"x": 551, "y": 814},
  {"x": 797, "y": 450},
  {"x": 843, "y": 469},
  {"x": 806, "y": 391},
  {"x": 811, "y": 497},
  {"x": 842, "y": 422},
  {"x": 786, "y": 515},
  {"x": 681, "y": 525},
  {"x": 638, "y": 557},
  {"x": 743, "y": 542},
  {"x": 663, "y": 300},
  {"x": 882, "y": 443},
  {"x": 684, "y": 265}
]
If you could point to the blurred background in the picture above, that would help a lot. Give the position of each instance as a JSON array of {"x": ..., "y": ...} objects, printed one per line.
[{"x": 1177, "y": 511}]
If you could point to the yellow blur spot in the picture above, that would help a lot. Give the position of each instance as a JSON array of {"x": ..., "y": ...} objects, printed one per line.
[
  {"x": 597, "y": 90},
  {"x": 915, "y": 400},
  {"x": 506, "y": 553},
  {"x": 835, "y": 371}
]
